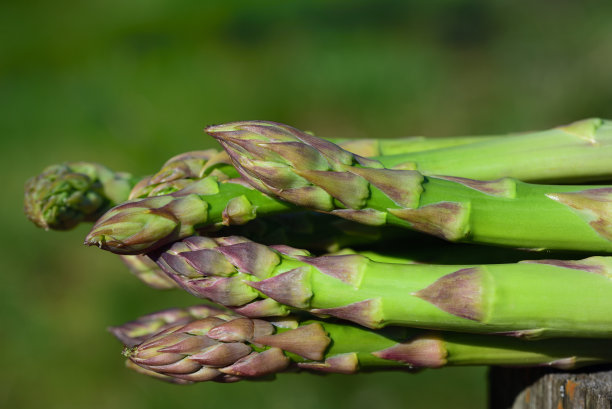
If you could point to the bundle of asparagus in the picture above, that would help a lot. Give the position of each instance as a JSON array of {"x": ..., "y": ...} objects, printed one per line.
[{"x": 357, "y": 255}]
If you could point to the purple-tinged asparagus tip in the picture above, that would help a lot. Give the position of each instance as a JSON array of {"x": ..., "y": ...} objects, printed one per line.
[{"x": 145, "y": 224}]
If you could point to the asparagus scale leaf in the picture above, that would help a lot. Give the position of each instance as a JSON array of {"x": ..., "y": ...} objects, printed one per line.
[
  {"x": 229, "y": 348},
  {"x": 313, "y": 173}
]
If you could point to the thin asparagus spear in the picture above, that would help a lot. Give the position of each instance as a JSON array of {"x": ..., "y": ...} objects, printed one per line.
[
  {"x": 535, "y": 299},
  {"x": 313, "y": 173},
  {"x": 226, "y": 349}
]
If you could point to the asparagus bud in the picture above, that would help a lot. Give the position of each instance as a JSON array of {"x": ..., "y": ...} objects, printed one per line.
[{"x": 64, "y": 195}]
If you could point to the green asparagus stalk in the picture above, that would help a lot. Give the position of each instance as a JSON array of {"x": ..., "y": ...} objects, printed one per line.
[
  {"x": 401, "y": 146},
  {"x": 533, "y": 299},
  {"x": 577, "y": 152},
  {"x": 572, "y": 153},
  {"x": 227, "y": 348},
  {"x": 312, "y": 173},
  {"x": 302, "y": 229}
]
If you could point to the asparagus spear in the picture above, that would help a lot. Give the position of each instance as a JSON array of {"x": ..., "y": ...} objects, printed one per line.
[
  {"x": 313, "y": 173},
  {"x": 533, "y": 299},
  {"x": 227, "y": 348}
]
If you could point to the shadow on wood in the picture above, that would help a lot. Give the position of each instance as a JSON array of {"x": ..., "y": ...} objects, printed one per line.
[{"x": 547, "y": 388}]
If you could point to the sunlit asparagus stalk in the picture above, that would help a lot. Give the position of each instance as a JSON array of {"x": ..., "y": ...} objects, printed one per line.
[
  {"x": 576, "y": 152},
  {"x": 407, "y": 145},
  {"x": 226, "y": 348},
  {"x": 312, "y": 173},
  {"x": 532, "y": 299}
]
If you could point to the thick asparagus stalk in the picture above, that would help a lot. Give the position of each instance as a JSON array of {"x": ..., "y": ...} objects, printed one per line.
[
  {"x": 227, "y": 348},
  {"x": 530, "y": 299},
  {"x": 313, "y": 173}
]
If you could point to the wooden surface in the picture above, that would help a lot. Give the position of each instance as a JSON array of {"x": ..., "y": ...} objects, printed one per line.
[{"x": 545, "y": 388}]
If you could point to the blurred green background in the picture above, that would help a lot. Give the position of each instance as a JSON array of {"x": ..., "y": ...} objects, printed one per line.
[{"x": 131, "y": 83}]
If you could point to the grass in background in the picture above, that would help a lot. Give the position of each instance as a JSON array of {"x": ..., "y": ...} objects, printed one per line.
[{"x": 130, "y": 84}]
